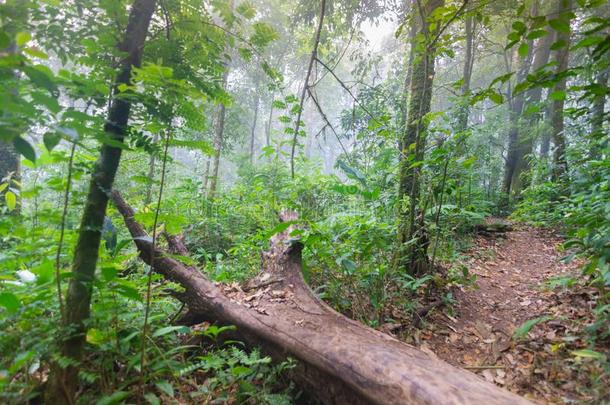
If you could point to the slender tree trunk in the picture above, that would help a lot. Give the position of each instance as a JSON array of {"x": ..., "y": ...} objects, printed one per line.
[
  {"x": 269, "y": 122},
  {"x": 63, "y": 382},
  {"x": 312, "y": 59},
  {"x": 151, "y": 172},
  {"x": 10, "y": 171},
  {"x": 413, "y": 238},
  {"x": 253, "y": 128},
  {"x": 218, "y": 139},
  {"x": 545, "y": 141},
  {"x": 597, "y": 117},
  {"x": 464, "y": 110},
  {"x": 560, "y": 164}
]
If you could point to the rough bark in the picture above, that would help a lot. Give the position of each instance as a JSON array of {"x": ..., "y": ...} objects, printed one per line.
[
  {"x": 560, "y": 163},
  {"x": 218, "y": 139},
  {"x": 339, "y": 360},
  {"x": 412, "y": 255},
  {"x": 63, "y": 382}
]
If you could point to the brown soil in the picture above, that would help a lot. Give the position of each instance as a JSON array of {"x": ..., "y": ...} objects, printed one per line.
[{"x": 512, "y": 271}]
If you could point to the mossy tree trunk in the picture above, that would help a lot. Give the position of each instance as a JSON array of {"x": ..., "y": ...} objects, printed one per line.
[
  {"x": 412, "y": 255},
  {"x": 63, "y": 382}
]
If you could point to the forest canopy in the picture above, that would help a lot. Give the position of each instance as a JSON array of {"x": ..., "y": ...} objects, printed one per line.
[{"x": 267, "y": 201}]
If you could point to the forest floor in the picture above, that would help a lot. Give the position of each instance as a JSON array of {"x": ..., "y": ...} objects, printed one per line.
[{"x": 515, "y": 273}]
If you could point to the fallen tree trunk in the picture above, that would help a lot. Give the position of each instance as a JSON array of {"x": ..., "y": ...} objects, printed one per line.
[{"x": 340, "y": 361}]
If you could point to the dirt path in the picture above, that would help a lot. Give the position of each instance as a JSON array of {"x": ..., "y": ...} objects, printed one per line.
[{"x": 512, "y": 271}]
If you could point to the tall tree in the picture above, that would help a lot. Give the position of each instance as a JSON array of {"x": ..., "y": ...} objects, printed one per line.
[
  {"x": 464, "y": 110},
  {"x": 412, "y": 255},
  {"x": 560, "y": 163},
  {"x": 63, "y": 381},
  {"x": 526, "y": 132},
  {"x": 598, "y": 114},
  {"x": 218, "y": 138},
  {"x": 516, "y": 104},
  {"x": 253, "y": 127}
]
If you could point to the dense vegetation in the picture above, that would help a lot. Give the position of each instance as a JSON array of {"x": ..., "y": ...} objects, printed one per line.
[{"x": 393, "y": 128}]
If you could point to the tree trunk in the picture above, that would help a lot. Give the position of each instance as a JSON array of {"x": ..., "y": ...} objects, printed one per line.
[
  {"x": 406, "y": 91},
  {"x": 312, "y": 59},
  {"x": 526, "y": 139},
  {"x": 151, "y": 172},
  {"x": 597, "y": 117},
  {"x": 545, "y": 141},
  {"x": 269, "y": 123},
  {"x": 63, "y": 382},
  {"x": 412, "y": 255},
  {"x": 253, "y": 128},
  {"x": 218, "y": 139},
  {"x": 10, "y": 172},
  {"x": 339, "y": 361},
  {"x": 514, "y": 149},
  {"x": 464, "y": 109},
  {"x": 560, "y": 164}
]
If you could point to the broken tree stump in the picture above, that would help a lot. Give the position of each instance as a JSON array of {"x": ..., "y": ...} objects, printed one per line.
[{"x": 340, "y": 361}]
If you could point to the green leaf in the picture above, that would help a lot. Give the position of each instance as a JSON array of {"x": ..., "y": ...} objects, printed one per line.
[
  {"x": 537, "y": 34},
  {"x": 467, "y": 164},
  {"x": 519, "y": 26},
  {"x": 560, "y": 25},
  {"x": 115, "y": 398},
  {"x": 165, "y": 387},
  {"x": 128, "y": 291},
  {"x": 11, "y": 200},
  {"x": 22, "y": 38},
  {"x": 525, "y": 328},
  {"x": 50, "y": 140},
  {"x": 109, "y": 273},
  {"x": 24, "y": 148},
  {"x": 152, "y": 399},
  {"x": 169, "y": 329},
  {"x": 263, "y": 34},
  {"x": 36, "y": 53},
  {"x": 240, "y": 371},
  {"x": 41, "y": 76},
  {"x": 558, "y": 95},
  {"x": 523, "y": 49},
  {"x": 5, "y": 41},
  {"x": 281, "y": 227},
  {"x": 588, "y": 353},
  {"x": 557, "y": 45},
  {"x": 9, "y": 301},
  {"x": 246, "y": 9},
  {"x": 496, "y": 97}
]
